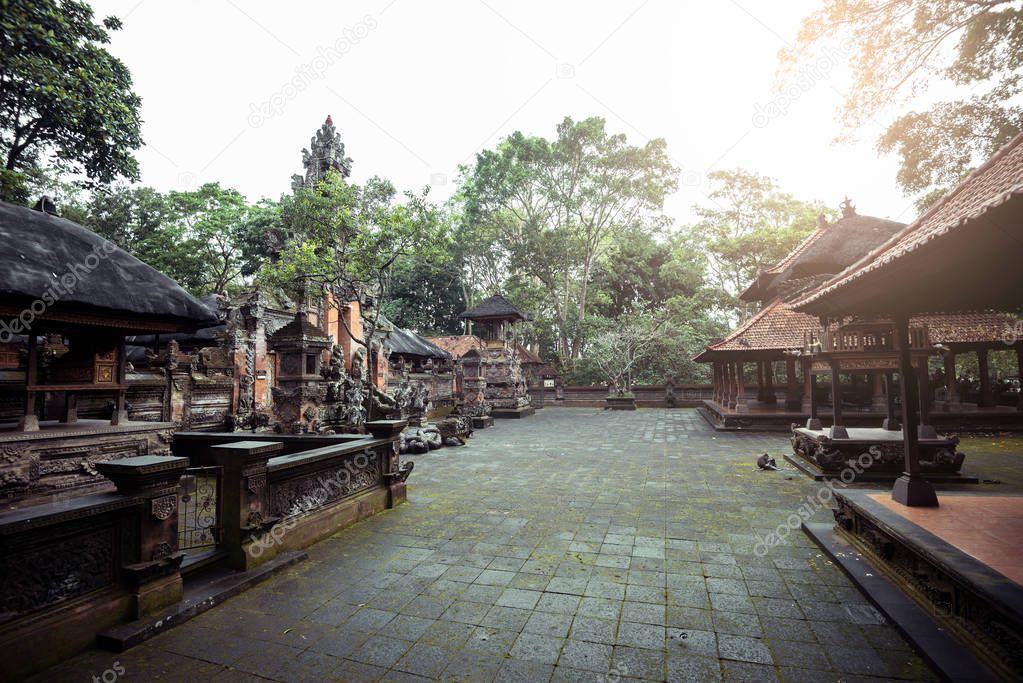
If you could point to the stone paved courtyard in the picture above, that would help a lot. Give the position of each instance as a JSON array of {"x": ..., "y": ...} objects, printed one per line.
[{"x": 575, "y": 545}]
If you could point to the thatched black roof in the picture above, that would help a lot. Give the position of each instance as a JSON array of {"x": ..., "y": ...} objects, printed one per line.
[
  {"x": 39, "y": 249},
  {"x": 495, "y": 307},
  {"x": 827, "y": 251},
  {"x": 407, "y": 343}
]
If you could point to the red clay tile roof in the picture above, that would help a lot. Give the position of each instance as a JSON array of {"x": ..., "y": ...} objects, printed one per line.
[
  {"x": 778, "y": 328},
  {"x": 457, "y": 344},
  {"x": 960, "y": 328},
  {"x": 775, "y": 327},
  {"x": 994, "y": 182},
  {"x": 527, "y": 356}
]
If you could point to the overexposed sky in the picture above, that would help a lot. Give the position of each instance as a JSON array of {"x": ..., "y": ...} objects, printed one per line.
[{"x": 233, "y": 89}]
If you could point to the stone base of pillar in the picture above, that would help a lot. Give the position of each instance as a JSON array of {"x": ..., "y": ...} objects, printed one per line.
[
  {"x": 741, "y": 407},
  {"x": 914, "y": 492}
]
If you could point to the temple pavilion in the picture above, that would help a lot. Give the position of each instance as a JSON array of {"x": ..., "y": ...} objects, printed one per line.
[
  {"x": 68, "y": 299},
  {"x": 788, "y": 350},
  {"x": 955, "y": 554}
]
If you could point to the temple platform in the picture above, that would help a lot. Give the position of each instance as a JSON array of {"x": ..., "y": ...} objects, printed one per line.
[
  {"x": 58, "y": 460},
  {"x": 759, "y": 417},
  {"x": 870, "y": 454},
  {"x": 961, "y": 563}
]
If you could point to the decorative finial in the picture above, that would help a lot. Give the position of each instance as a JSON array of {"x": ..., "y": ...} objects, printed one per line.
[
  {"x": 326, "y": 153},
  {"x": 847, "y": 208}
]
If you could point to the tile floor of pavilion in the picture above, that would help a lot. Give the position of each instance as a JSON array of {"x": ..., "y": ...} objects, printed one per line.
[{"x": 577, "y": 545}]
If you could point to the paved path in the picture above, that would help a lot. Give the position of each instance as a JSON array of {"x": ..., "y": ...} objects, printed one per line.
[{"x": 575, "y": 545}]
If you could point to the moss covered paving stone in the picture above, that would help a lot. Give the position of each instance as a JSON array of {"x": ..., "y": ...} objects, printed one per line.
[{"x": 571, "y": 545}]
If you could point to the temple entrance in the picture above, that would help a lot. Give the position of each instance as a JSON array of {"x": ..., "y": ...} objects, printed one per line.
[{"x": 199, "y": 527}]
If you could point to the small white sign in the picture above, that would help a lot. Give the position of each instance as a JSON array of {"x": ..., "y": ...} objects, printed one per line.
[{"x": 548, "y": 384}]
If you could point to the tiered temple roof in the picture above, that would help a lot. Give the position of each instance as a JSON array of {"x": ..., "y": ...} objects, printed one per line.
[
  {"x": 457, "y": 344},
  {"x": 87, "y": 277},
  {"x": 496, "y": 307},
  {"x": 835, "y": 252},
  {"x": 982, "y": 211}
]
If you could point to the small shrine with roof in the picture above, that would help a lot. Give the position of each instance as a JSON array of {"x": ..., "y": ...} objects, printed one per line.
[
  {"x": 856, "y": 356},
  {"x": 493, "y": 383}
]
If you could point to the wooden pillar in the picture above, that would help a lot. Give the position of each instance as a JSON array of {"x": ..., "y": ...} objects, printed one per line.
[
  {"x": 808, "y": 400},
  {"x": 986, "y": 399},
  {"x": 1019, "y": 373},
  {"x": 950, "y": 378},
  {"x": 814, "y": 421},
  {"x": 877, "y": 397},
  {"x": 891, "y": 423},
  {"x": 910, "y": 489},
  {"x": 120, "y": 414},
  {"x": 29, "y": 420},
  {"x": 761, "y": 383},
  {"x": 925, "y": 396},
  {"x": 769, "y": 396},
  {"x": 718, "y": 379},
  {"x": 836, "y": 397},
  {"x": 791, "y": 386},
  {"x": 70, "y": 407},
  {"x": 740, "y": 388},
  {"x": 729, "y": 401}
]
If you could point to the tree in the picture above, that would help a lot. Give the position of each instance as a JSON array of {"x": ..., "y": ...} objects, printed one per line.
[
  {"x": 751, "y": 225},
  {"x": 208, "y": 222},
  {"x": 555, "y": 207},
  {"x": 899, "y": 48},
  {"x": 425, "y": 296},
  {"x": 63, "y": 97},
  {"x": 623, "y": 346},
  {"x": 345, "y": 239},
  {"x": 201, "y": 239}
]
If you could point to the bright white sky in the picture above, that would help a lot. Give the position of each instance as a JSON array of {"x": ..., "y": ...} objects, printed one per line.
[{"x": 417, "y": 88}]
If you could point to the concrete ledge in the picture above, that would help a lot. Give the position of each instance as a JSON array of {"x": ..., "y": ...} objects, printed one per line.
[
  {"x": 34, "y": 644},
  {"x": 198, "y": 598}
]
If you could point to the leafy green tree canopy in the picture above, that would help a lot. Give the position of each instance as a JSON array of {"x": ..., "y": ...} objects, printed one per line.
[
  {"x": 900, "y": 47},
  {"x": 63, "y": 97},
  {"x": 554, "y": 208}
]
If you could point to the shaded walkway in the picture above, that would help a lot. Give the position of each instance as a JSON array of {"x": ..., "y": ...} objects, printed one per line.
[{"x": 569, "y": 546}]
